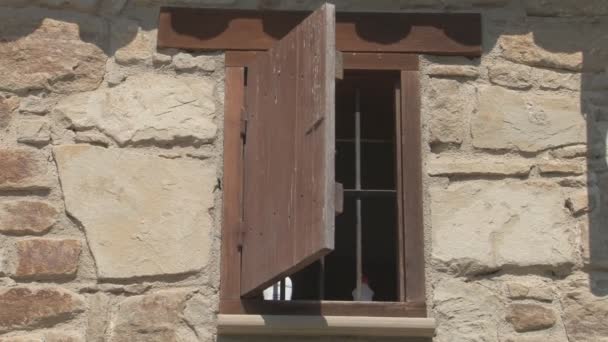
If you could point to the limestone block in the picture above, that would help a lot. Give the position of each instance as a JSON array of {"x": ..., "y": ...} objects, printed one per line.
[
  {"x": 466, "y": 71},
  {"x": 480, "y": 226},
  {"x": 153, "y": 317},
  {"x": 530, "y": 317},
  {"x": 142, "y": 215},
  {"x": 465, "y": 311},
  {"x": 46, "y": 336},
  {"x": 535, "y": 291},
  {"x": 585, "y": 315},
  {"x": 133, "y": 44},
  {"x": 7, "y": 106},
  {"x": 186, "y": 62},
  {"x": 26, "y": 217},
  {"x": 92, "y": 137},
  {"x": 33, "y": 131},
  {"x": 40, "y": 50},
  {"x": 24, "y": 307},
  {"x": 570, "y": 44},
  {"x": 98, "y": 317},
  {"x": 570, "y": 152},
  {"x": 23, "y": 169},
  {"x": 35, "y": 105},
  {"x": 147, "y": 107},
  {"x": 548, "y": 79},
  {"x": 47, "y": 258},
  {"x": 526, "y": 122},
  {"x": 161, "y": 59},
  {"x": 510, "y": 75},
  {"x": 477, "y": 166},
  {"x": 572, "y": 167},
  {"x": 579, "y": 203},
  {"x": 450, "y": 104}
]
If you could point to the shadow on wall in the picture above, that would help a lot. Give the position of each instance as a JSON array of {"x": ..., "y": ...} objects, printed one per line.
[{"x": 573, "y": 39}]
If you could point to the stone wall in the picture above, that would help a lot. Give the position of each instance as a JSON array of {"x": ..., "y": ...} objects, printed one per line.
[{"x": 110, "y": 169}]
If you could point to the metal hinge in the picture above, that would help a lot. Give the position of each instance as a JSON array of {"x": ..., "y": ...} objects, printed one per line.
[{"x": 243, "y": 125}]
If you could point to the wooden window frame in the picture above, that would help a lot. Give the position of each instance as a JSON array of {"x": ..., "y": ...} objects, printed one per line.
[{"x": 409, "y": 190}]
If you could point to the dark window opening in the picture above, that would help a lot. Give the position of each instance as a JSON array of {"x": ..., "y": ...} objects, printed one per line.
[{"x": 366, "y": 233}]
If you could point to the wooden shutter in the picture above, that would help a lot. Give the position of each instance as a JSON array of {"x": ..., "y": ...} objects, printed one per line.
[{"x": 289, "y": 154}]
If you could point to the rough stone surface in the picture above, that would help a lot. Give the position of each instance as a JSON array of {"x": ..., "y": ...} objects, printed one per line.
[
  {"x": 566, "y": 168},
  {"x": 153, "y": 317},
  {"x": 33, "y": 131},
  {"x": 46, "y": 336},
  {"x": 37, "y": 105},
  {"x": 98, "y": 317},
  {"x": 465, "y": 311},
  {"x": 480, "y": 226},
  {"x": 516, "y": 290},
  {"x": 559, "y": 44},
  {"x": 471, "y": 166},
  {"x": 147, "y": 107},
  {"x": 29, "y": 307},
  {"x": 569, "y": 152},
  {"x": 134, "y": 45},
  {"x": 579, "y": 203},
  {"x": 23, "y": 169},
  {"x": 467, "y": 71},
  {"x": 526, "y": 122},
  {"x": 47, "y": 258},
  {"x": 186, "y": 62},
  {"x": 7, "y": 106},
  {"x": 510, "y": 75},
  {"x": 549, "y": 79},
  {"x": 26, "y": 217},
  {"x": 41, "y": 50},
  {"x": 142, "y": 215},
  {"x": 530, "y": 317},
  {"x": 449, "y": 112},
  {"x": 585, "y": 315}
]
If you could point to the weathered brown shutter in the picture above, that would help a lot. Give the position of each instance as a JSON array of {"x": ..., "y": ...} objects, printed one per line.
[{"x": 289, "y": 154}]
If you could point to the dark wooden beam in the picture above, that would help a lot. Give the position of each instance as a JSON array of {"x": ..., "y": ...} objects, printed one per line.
[
  {"x": 350, "y": 60},
  {"x": 426, "y": 33}
]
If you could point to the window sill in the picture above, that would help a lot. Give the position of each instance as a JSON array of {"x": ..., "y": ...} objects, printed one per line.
[{"x": 325, "y": 325}]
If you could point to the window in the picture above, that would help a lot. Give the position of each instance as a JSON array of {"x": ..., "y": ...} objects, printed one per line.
[
  {"x": 306, "y": 138},
  {"x": 288, "y": 146}
]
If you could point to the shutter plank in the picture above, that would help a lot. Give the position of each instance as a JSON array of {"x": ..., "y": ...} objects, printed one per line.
[{"x": 289, "y": 154}]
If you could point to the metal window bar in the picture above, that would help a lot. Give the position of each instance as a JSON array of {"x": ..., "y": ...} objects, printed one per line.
[
  {"x": 358, "y": 188},
  {"x": 359, "y": 193}
]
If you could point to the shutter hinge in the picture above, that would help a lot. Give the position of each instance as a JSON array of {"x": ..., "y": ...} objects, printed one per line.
[{"x": 244, "y": 125}]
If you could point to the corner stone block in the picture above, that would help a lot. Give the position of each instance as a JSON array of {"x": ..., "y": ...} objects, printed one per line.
[
  {"x": 510, "y": 120},
  {"x": 23, "y": 169},
  {"x": 143, "y": 215},
  {"x": 480, "y": 226}
]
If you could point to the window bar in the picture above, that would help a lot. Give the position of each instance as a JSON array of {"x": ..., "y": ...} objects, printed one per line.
[
  {"x": 358, "y": 187},
  {"x": 322, "y": 279},
  {"x": 282, "y": 287}
]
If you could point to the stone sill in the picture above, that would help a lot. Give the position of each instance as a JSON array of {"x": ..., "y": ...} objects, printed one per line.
[{"x": 325, "y": 325}]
